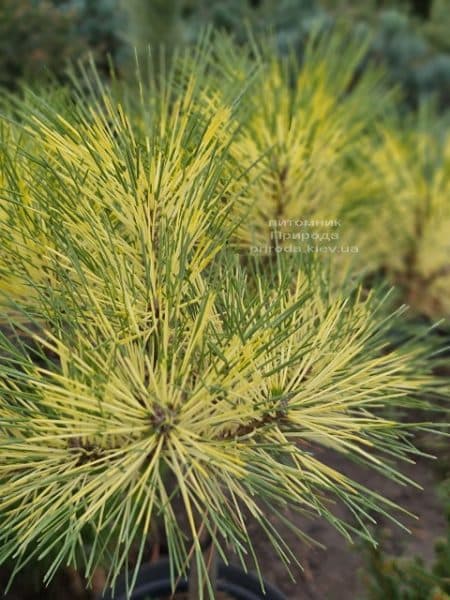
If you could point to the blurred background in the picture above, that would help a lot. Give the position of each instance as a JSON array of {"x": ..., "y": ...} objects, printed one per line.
[{"x": 37, "y": 37}]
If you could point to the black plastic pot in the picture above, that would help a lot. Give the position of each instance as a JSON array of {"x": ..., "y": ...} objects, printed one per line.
[{"x": 154, "y": 581}]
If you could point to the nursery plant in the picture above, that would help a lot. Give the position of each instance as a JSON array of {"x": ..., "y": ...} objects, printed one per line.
[
  {"x": 302, "y": 122},
  {"x": 168, "y": 149},
  {"x": 153, "y": 383},
  {"x": 408, "y": 234},
  {"x": 411, "y": 579}
]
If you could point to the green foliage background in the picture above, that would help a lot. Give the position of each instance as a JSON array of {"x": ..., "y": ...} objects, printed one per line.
[{"x": 38, "y": 35}]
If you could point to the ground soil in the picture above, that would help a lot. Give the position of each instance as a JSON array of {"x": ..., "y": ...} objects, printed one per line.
[
  {"x": 335, "y": 572},
  {"x": 330, "y": 573}
]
